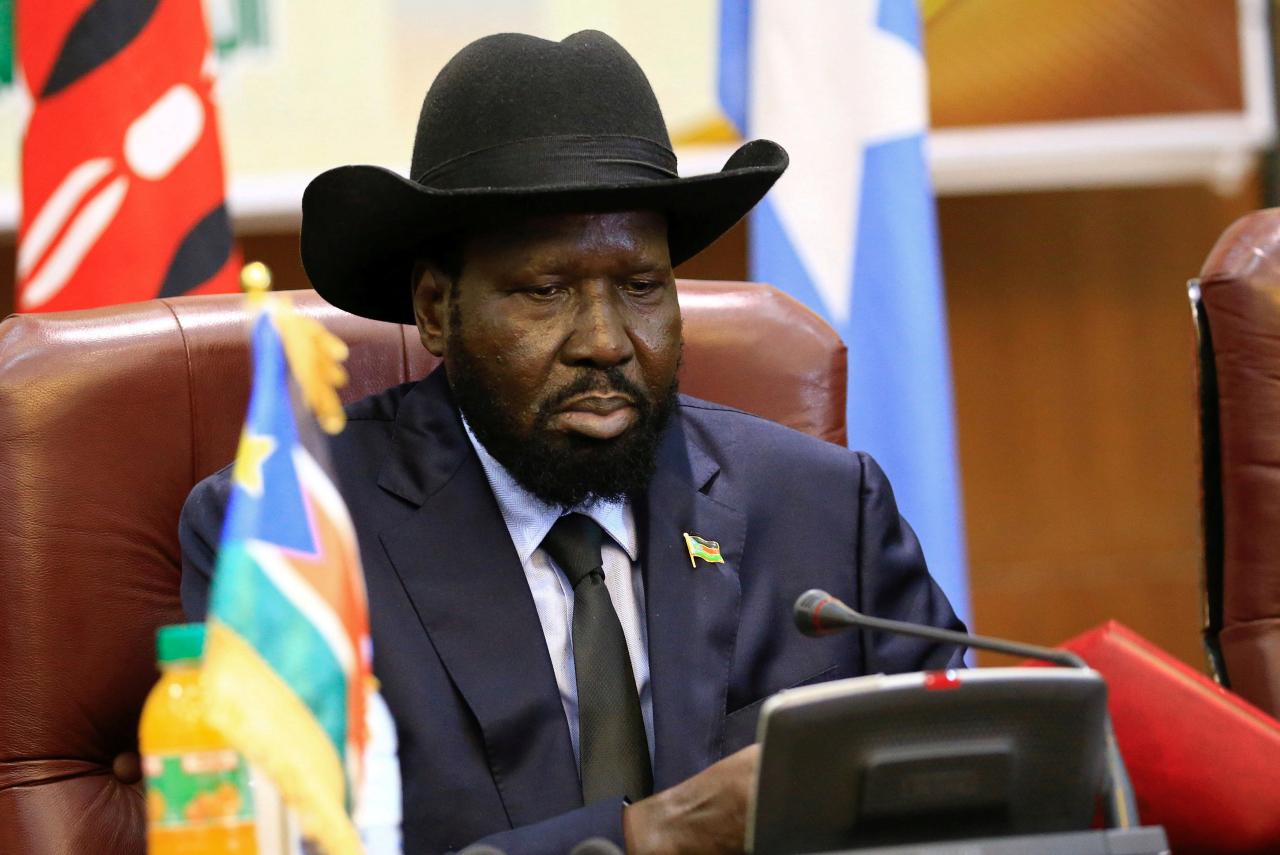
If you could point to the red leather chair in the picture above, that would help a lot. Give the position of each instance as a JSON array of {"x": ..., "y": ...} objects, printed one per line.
[
  {"x": 1236, "y": 304},
  {"x": 109, "y": 417}
]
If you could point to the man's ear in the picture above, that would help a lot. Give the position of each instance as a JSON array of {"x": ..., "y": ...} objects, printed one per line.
[{"x": 431, "y": 290}]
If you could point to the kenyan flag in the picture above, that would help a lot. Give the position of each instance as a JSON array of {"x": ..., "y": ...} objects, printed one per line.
[{"x": 122, "y": 178}]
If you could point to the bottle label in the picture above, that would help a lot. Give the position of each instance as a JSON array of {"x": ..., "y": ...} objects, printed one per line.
[{"x": 197, "y": 788}]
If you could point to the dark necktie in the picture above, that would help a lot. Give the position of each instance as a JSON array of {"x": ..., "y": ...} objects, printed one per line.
[{"x": 611, "y": 738}]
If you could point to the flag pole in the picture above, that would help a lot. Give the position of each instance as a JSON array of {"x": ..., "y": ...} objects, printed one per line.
[{"x": 277, "y": 833}]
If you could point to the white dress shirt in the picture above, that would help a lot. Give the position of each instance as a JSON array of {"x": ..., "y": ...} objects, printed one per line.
[{"x": 528, "y": 520}]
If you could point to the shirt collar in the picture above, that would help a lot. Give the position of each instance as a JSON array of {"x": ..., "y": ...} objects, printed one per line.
[{"x": 528, "y": 518}]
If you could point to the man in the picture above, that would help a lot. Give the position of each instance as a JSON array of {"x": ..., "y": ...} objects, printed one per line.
[{"x": 528, "y": 514}]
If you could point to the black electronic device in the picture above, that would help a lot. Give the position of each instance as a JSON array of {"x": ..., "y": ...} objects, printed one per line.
[
  {"x": 984, "y": 759},
  {"x": 925, "y": 757}
]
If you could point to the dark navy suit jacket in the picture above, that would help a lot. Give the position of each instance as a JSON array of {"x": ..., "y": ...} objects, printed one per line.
[{"x": 459, "y": 650}]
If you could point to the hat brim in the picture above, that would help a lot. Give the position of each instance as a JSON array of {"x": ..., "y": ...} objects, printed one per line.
[{"x": 363, "y": 227}]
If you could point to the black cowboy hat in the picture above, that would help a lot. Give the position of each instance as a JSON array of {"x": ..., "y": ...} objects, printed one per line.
[{"x": 518, "y": 125}]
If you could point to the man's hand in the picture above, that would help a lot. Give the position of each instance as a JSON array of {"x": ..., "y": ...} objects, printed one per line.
[{"x": 707, "y": 813}]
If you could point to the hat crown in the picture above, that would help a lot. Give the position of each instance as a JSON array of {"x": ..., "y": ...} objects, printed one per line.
[
  {"x": 511, "y": 88},
  {"x": 517, "y": 125}
]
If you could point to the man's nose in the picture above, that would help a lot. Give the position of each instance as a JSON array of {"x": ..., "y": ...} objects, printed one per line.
[{"x": 600, "y": 335}]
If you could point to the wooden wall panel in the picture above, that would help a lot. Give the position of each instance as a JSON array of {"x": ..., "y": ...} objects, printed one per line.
[
  {"x": 8, "y": 272},
  {"x": 1072, "y": 353},
  {"x": 1010, "y": 61}
]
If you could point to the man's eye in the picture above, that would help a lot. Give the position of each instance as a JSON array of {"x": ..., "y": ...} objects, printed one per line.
[
  {"x": 542, "y": 292},
  {"x": 643, "y": 286}
]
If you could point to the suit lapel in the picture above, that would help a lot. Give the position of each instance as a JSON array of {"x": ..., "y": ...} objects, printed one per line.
[
  {"x": 456, "y": 561},
  {"x": 692, "y": 610}
]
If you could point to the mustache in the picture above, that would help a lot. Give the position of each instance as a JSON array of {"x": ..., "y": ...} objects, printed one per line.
[{"x": 600, "y": 381}]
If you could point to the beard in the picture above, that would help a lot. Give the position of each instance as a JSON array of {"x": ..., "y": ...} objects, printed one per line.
[{"x": 561, "y": 470}]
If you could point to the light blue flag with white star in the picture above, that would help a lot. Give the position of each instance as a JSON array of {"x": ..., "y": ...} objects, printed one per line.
[{"x": 850, "y": 230}]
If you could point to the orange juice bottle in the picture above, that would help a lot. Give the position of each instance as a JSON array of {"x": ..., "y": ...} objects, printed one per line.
[{"x": 198, "y": 796}]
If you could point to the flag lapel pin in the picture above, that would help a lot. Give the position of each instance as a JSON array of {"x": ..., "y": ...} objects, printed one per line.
[{"x": 707, "y": 550}]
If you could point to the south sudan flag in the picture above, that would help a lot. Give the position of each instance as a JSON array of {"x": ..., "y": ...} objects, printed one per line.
[
  {"x": 287, "y": 667},
  {"x": 707, "y": 550}
]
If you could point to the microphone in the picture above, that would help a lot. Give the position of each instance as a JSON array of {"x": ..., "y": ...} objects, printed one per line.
[
  {"x": 817, "y": 613},
  {"x": 596, "y": 846}
]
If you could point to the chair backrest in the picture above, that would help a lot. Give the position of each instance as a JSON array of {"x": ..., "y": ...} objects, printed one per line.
[
  {"x": 109, "y": 417},
  {"x": 1236, "y": 301}
]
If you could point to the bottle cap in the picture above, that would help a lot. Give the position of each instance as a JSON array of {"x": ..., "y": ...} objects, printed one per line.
[{"x": 180, "y": 641}]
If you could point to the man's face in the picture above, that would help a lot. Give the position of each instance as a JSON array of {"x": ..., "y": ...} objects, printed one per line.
[{"x": 561, "y": 339}]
